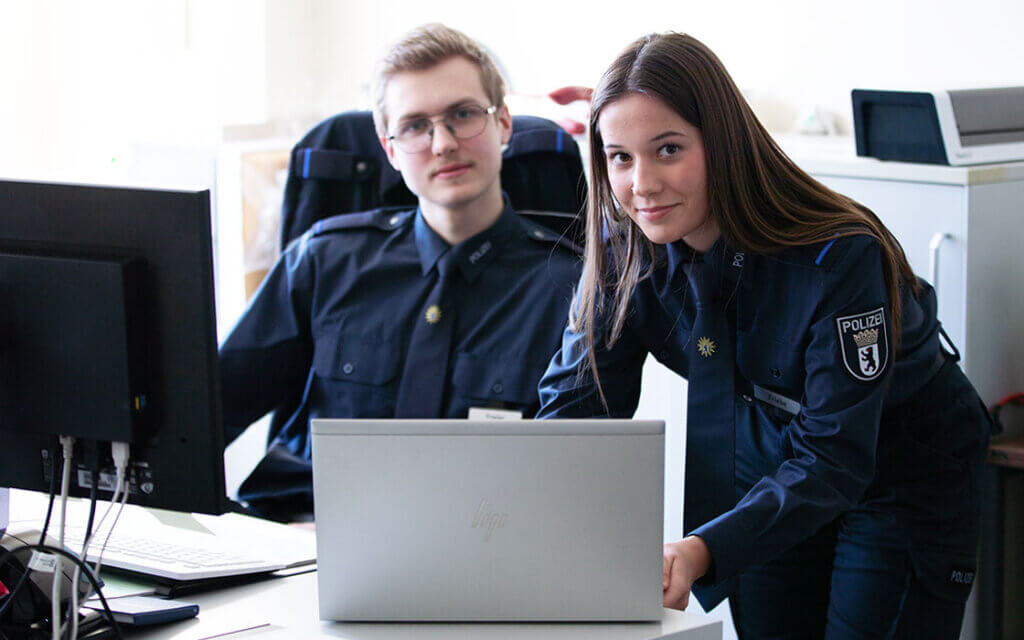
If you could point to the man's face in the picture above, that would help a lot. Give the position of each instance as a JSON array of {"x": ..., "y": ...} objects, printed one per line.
[{"x": 451, "y": 175}]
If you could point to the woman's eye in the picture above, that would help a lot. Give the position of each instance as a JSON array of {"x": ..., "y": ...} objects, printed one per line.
[
  {"x": 617, "y": 157},
  {"x": 668, "y": 150}
]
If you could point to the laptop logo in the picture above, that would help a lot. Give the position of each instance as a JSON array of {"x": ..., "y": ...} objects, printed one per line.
[{"x": 489, "y": 520}]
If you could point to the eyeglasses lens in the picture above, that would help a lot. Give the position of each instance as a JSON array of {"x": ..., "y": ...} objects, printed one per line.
[{"x": 462, "y": 122}]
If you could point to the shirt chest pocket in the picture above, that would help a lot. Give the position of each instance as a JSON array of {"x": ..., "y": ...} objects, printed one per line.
[
  {"x": 772, "y": 377},
  {"x": 777, "y": 364},
  {"x": 490, "y": 382},
  {"x": 356, "y": 376}
]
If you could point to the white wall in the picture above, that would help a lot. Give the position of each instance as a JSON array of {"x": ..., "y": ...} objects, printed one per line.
[
  {"x": 794, "y": 51},
  {"x": 84, "y": 82},
  {"x": 87, "y": 84}
]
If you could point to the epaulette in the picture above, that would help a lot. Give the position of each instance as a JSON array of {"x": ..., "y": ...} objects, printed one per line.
[
  {"x": 823, "y": 252},
  {"x": 832, "y": 252},
  {"x": 385, "y": 219},
  {"x": 823, "y": 255},
  {"x": 543, "y": 234}
]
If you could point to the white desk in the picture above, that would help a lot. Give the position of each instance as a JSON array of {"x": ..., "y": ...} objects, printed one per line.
[{"x": 286, "y": 608}]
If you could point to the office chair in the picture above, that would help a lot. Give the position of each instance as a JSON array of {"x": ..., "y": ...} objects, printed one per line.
[{"x": 340, "y": 167}]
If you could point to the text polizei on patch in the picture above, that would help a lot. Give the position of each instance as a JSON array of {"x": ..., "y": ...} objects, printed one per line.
[{"x": 864, "y": 343}]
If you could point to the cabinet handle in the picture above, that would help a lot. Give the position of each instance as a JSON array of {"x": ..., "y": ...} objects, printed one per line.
[{"x": 933, "y": 262}]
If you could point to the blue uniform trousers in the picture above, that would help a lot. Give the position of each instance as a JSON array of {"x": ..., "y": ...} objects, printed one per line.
[{"x": 900, "y": 563}]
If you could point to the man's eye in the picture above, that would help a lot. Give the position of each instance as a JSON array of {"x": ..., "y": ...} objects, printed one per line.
[
  {"x": 463, "y": 113},
  {"x": 414, "y": 127}
]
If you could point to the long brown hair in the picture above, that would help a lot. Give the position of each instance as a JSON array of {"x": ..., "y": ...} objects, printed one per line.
[{"x": 761, "y": 201}]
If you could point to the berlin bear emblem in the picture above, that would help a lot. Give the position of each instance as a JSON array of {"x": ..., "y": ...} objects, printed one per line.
[{"x": 864, "y": 343}]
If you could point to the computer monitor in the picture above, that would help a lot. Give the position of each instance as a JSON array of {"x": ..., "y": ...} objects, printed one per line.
[{"x": 107, "y": 333}]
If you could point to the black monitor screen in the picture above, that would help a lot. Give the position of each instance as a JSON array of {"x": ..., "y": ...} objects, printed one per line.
[{"x": 107, "y": 333}]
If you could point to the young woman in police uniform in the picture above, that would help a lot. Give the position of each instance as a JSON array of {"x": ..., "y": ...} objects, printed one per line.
[{"x": 833, "y": 448}]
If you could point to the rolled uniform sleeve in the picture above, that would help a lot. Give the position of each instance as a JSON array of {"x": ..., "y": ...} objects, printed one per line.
[
  {"x": 829, "y": 446},
  {"x": 265, "y": 359}
]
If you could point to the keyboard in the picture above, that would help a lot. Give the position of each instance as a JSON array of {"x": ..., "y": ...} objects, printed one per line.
[
  {"x": 177, "y": 547},
  {"x": 191, "y": 556}
]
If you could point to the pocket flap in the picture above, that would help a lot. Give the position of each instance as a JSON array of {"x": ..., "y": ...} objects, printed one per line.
[
  {"x": 490, "y": 378},
  {"x": 358, "y": 358}
]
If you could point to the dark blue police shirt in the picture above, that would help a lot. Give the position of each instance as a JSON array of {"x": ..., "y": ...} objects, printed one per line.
[
  {"x": 796, "y": 313},
  {"x": 331, "y": 324}
]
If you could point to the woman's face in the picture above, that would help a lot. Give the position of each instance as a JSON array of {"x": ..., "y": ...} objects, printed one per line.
[{"x": 656, "y": 167}]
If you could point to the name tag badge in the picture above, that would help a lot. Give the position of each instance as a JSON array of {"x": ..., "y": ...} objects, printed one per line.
[
  {"x": 486, "y": 413},
  {"x": 776, "y": 400}
]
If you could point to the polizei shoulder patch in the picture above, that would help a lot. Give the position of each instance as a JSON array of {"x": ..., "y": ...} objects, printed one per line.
[{"x": 864, "y": 343}]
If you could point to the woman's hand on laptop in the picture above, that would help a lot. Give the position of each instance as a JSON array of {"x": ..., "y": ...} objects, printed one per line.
[{"x": 684, "y": 562}]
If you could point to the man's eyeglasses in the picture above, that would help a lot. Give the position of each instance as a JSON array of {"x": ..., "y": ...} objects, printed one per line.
[{"x": 463, "y": 122}]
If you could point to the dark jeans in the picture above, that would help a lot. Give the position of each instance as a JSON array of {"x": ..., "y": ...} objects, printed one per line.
[{"x": 837, "y": 588}]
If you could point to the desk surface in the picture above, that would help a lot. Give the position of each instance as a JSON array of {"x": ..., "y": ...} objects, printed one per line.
[{"x": 287, "y": 608}]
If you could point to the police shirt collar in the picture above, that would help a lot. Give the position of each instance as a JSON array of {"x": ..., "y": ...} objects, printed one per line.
[
  {"x": 477, "y": 252},
  {"x": 721, "y": 258},
  {"x": 730, "y": 263},
  {"x": 679, "y": 252},
  {"x": 472, "y": 254},
  {"x": 429, "y": 244}
]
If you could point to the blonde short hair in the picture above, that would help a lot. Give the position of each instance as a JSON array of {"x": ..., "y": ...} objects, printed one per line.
[{"x": 425, "y": 47}]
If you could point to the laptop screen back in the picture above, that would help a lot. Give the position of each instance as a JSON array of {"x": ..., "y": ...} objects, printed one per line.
[{"x": 498, "y": 520}]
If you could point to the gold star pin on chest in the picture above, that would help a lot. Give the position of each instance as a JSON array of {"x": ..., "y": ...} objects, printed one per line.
[
  {"x": 433, "y": 314},
  {"x": 706, "y": 347}
]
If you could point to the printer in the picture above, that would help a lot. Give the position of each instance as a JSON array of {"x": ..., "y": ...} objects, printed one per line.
[{"x": 959, "y": 127}]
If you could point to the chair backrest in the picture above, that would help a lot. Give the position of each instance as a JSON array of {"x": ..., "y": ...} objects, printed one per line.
[{"x": 340, "y": 167}]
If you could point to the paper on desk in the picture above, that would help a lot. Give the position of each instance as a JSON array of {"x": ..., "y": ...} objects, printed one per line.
[
  {"x": 120, "y": 586},
  {"x": 290, "y": 546}
]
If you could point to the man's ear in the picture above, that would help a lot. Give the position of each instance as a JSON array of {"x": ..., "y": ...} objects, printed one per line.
[
  {"x": 389, "y": 151},
  {"x": 504, "y": 123}
]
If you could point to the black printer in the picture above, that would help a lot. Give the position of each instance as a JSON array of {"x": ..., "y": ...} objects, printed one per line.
[{"x": 957, "y": 127}]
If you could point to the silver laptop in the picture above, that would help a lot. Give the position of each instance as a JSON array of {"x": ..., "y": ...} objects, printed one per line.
[{"x": 553, "y": 520}]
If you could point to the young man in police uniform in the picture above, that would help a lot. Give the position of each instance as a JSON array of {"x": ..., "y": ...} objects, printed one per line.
[{"x": 427, "y": 313}]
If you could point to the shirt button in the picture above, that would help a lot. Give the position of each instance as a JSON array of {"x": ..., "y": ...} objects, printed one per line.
[
  {"x": 497, "y": 388},
  {"x": 776, "y": 373},
  {"x": 347, "y": 368},
  {"x": 663, "y": 355},
  {"x": 747, "y": 398},
  {"x": 394, "y": 220},
  {"x": 360, "y": 167}
]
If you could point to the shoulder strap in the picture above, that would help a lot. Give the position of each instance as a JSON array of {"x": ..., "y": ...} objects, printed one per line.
[
  {"x": 384, "y": 218},
  {"x": 553, "y": 227}
]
